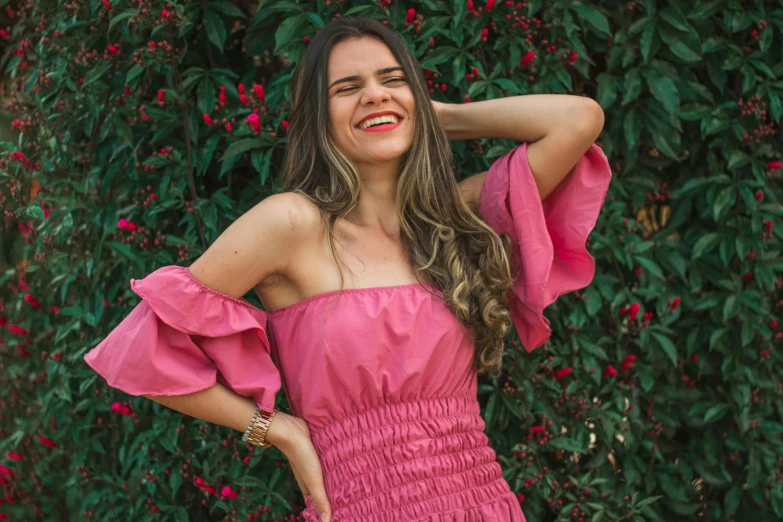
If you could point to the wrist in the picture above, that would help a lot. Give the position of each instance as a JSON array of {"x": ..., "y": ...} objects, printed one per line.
[{"x": 278, "y": 433}]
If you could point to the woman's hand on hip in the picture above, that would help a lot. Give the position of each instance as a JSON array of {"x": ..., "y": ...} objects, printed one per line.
[{"x": 292, "y": 437}]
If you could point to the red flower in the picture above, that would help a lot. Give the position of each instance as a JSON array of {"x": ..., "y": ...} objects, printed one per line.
[
  {"x": 126, "y": 225},
  {"x": 254, "y": 121},
  {"x": 113, "y": 49},
  {"x": 33, "y": 301},
  {"x": 162, "y": 96},
  {"x": 3, "y": 320},
  {"x": 470, "y": 5},
  {"x": 228, "y": 492},
  {"x": 17, "y": 329},
  {"x": 490, "y": 5},
  {"x": 285, "y": 125},
  {"x": 537, "y": 429},
  {"x": 774, "y": 164},
  {"x": 48, "y": 442},
  {"x": 259, "y": 91},
  {"x": 410, "y": 15},
  {"x": 559, "y": 374},
  {"x": 14, "y": 456},
  {"x": 528, "y": 57},
  {"x": 6, "y": 471},
  {"x": 610, "y": 371},
  {"x": 243, "y": 99},
  {"x": 484, "y": 32},
  {"x": 207, "y": 119},
  {"x": 121, "y": 409}
]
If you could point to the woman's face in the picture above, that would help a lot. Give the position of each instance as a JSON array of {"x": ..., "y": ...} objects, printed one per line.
[{"x": 352, "y": 100}]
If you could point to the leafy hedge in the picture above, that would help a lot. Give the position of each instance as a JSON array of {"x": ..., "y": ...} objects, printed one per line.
[{"x": 142, "y": 129}]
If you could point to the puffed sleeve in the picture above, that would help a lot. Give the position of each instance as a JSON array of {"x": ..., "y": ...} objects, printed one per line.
[
  {"x": 549, "y": 257},
  {"x": 184, "y": 337}
]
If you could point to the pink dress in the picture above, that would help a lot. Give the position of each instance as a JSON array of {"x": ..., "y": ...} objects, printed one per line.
[{"x": 381, "y": 375}]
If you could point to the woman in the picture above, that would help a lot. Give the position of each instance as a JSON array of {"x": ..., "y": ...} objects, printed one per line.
[{"x": 381, "y": 375}]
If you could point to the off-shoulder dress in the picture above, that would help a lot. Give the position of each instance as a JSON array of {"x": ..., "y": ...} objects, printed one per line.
[{"x": 381, "y": 375}]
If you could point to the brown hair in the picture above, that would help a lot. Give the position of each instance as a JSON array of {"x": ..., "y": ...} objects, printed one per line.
[{"x": 462, "y": 256}]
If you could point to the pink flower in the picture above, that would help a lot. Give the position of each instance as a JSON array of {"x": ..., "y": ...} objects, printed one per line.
[
  {"x": 610, "y": 371},
  {"x": 775, "y": 164},
  {"x": 537, "y": 429},
  {"x": 528, "y": 57},
  {"x": 559, "y": 374},
  {"x": 410, "y": 15},
  {"x": 228, "y": 492},
  {"x": 199, "y": 481},
  {"x": 33, "y": 301},
  {"x": 49, "y": 442},
  {"x": 210, "y": 489},
  {"x": 14, "y": 456}
]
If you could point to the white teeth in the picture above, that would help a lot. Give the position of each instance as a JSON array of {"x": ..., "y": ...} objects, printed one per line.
[{"x": 389, "y": 118}]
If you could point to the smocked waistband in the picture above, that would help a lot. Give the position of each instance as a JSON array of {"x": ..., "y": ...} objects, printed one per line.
[{"x": 409, "y": 460}]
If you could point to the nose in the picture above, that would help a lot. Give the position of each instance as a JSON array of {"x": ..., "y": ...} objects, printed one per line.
[{"x": 375, "y": 93}]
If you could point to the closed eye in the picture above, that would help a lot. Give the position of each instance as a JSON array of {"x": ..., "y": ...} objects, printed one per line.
[{"x": 389, "y": 80}]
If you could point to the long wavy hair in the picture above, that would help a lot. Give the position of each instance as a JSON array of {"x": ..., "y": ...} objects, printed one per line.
[{"x": 459, "y": 253}]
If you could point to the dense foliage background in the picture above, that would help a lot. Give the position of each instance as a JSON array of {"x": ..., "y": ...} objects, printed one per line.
[{"x": 138, "y": 130}]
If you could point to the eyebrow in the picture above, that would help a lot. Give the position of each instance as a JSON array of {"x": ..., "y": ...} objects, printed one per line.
[{"x": 379, "y": 72}]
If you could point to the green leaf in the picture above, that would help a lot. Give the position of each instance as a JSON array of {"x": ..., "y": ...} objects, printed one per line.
[
  {"x": 664, "y": 90},
  {"x": 731, "y": 307},
  {"x": 216, "y": 29},
  {"x": 607, "y": 90},
  {"x": 226, "y": 8},
  {"x": 651, "y": 267},
  {"x": 725, "y": 200},
  {"x": 120, "y": 17},
  {"x": 674, "y": 18},
  {"x": 705, "y": 244},
  {"x": 240, "y": 146},
  {"x": 593, "y": 17},
  {"x": 715, "y": 413},
  {"x": 567, "y": 444},
  {"x": 667, "y": 346},
  {"x": 631, "y": 128},
  {"x": 285, "y": 32}
]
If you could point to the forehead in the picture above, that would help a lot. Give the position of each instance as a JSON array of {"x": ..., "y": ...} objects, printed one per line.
[{"x": 359, "y": 56}]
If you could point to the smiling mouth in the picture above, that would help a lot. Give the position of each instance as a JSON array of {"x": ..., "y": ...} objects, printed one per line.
[{"x": 399, "y": 120}]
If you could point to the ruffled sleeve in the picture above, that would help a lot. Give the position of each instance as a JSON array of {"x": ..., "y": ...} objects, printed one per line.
[
  {"x": 549, "y": 253},
  {"x": 184, "y": 337}
]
